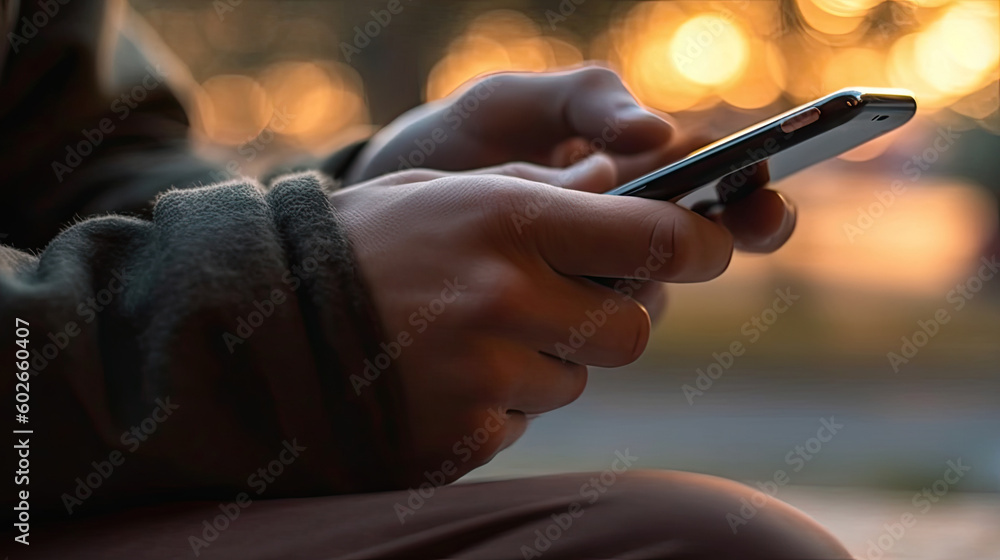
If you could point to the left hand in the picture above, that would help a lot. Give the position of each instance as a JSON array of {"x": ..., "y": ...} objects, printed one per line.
[
  {"x": 551, "y": 119},
  {"x": 557, "y": 119}
]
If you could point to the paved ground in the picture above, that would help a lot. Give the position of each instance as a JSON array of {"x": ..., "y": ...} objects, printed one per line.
[
  {"x": 897, "y": 438},
  {"x": 962, "y": 526}
]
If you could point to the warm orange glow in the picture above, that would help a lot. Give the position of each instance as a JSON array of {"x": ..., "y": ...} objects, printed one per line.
[
  {"x": 709, "y": 50},
  {"x": 303, "y": 92},
  {"x": 871, "y": 149},
  {"x": 954, "y": 56},
  {"x": 500, "y": 40},
  {"x": 917, "y": 244},
  {"x": 674, "y": 55},
  {"x": 970, "y": 35},
  {"x": 467, "y": 58},
  {"x": 855, "y": 67},
  {"x": 762, "y": 82},
  {"x": 903, "y": 72},
  {"x": 564, "y": 54},
  {"x": 233, "y": 108},
  {"x": 846, "y": 7},
  {"x": 833, "y": 17},
  {"x": 656, "y": 79},
  {"x": 676, "y": 61},
  {"x": 315, "y": 101}
]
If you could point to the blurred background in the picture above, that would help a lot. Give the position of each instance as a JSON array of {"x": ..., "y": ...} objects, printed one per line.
[{"x": 871, "y": 266}]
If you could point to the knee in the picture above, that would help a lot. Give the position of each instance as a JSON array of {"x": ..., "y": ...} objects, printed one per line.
[{"x": 710, "y": 517}]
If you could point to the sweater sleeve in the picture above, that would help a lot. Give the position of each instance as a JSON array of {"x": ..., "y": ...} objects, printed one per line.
[
  {"x": 94, "y": 120},
  {"x": 216, "y": 348}
]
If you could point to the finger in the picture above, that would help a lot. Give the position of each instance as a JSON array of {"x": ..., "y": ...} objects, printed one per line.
[
  {"x": 596, "y": 173},
  {"x": 589, "y": 102},
  {"x": 579, "y": 321},
  {"x": 682, "y": 143},
  {"x": 593, "y": 174},
  {"x": 761, "y": 222},
  {"x": 581, "y": 234},
  {"x": 569, "y": 151},
  {"x": 545, "y": 383},
  {"x": 600, "y": 108},
  {"x": 516, "y": 377},
  {"x": 406, "y": 177}
]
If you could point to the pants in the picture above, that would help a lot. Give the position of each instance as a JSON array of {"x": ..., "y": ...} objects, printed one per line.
[{"x": 633, "y": 515}]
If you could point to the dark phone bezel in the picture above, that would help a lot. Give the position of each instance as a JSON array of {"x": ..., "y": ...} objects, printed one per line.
[{"x": 761, "y": 141}]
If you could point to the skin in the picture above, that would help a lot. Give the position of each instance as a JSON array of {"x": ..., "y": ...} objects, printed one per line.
[{"x": 525, "y": 241}]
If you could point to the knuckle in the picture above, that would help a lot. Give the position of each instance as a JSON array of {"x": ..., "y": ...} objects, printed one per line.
[
  {"x": 520, "y": 170},
  {"x": 504, "y": 197},
  {"x": 505, "y": 300},
  {"x": 417, "y": 175},
  {"x": 598, "y": 76},
  {"x": 474, "y": 92}
]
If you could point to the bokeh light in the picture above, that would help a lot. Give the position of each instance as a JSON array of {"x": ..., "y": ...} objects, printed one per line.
[
  {"x": 315, "y": 100},
  {"x": 832, "y": 17},
  {"x": 499, "y": 40},
  {"x": 709, "y": 50},
  {"x": 233, "y": 108}
]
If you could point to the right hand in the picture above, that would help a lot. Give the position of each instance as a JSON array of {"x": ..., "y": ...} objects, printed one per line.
[{"x": 484, "y": 274}]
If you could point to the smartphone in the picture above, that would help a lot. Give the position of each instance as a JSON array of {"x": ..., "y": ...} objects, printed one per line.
[{"x": 789, "y": 142}]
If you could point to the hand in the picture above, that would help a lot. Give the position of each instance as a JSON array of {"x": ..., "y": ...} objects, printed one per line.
[
  {"x": 552, "y": 119},
  {"x": 480, "y": 279}
]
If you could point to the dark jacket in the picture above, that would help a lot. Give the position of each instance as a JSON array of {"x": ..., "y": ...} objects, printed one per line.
[{"x": 180, "y": 337}]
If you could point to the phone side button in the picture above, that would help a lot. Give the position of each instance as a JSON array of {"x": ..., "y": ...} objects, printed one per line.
[{"x": 800, "y": 119}]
